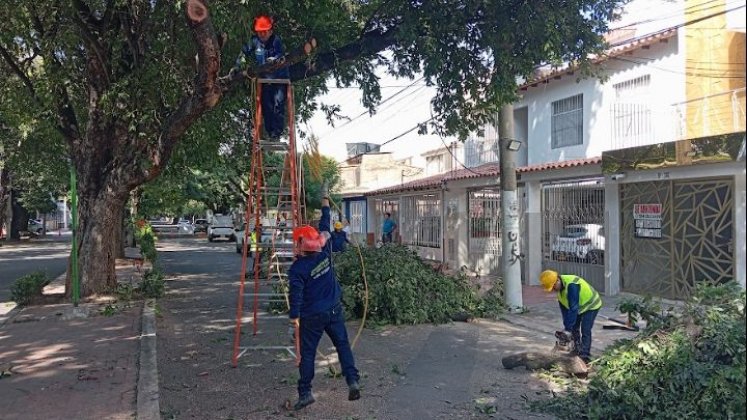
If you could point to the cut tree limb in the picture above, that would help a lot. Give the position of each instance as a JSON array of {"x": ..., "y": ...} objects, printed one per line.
[{"x": 572, "y": 365}]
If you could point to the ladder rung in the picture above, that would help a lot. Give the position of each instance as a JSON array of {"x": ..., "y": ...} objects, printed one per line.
[
  {"x": 275, "y": 81},
  {"x": 273, "y": 145}
]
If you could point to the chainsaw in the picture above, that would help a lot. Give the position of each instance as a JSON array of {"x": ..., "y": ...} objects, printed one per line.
[{"x": 564, "y": 343}]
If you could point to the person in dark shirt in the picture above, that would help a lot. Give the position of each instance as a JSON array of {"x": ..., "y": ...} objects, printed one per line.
[
  {"x": 339, "y": 238},
  {"x": 315, "y": 305},
  {"x": 265, "y": 47}
]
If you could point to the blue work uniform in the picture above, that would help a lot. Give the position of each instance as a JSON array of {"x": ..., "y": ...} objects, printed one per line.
[
  {"x": 315, "y": 298},
  {"x": 339, "y": 239},
  {"x": 387, "y": 230},
  {"x": 273, "y": 95}
]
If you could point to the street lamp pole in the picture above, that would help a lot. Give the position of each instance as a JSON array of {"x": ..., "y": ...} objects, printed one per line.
[{"x": 511, "y": 251}]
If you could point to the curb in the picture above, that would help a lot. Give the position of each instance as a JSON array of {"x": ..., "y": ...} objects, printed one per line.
[
  {"x": 4, "y": 319},
  {"x": 147, "y": 379}
]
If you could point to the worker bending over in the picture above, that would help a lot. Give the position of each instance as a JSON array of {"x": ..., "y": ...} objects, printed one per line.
[{"x": 579, "y": 304}]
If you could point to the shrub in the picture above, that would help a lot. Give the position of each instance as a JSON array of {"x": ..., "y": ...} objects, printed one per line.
[
  {"x": 402, "y": 288},
  {"x": 27, "y": 287},
  {"x": 147, "y": 240},
  {"x": 688, "y": 364},
  {"x": 152, "y": 285}
]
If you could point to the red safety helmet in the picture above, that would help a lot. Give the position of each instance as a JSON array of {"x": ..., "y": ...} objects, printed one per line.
[
  {"x": 262, "y": 23},
  {"x": 308, "y": 239}
]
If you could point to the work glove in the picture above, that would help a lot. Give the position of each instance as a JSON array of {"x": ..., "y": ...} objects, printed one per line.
[{"x": 324, "y": 191}]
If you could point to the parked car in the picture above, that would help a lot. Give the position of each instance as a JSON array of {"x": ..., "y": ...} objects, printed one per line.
[
  {"x": 35, "y": 227},
  {"x": 185, "y": 227},
  {"x": 200, "y": 225},
  {"x": 221, "y": 226},
  {"x": 582, "y": 242}
]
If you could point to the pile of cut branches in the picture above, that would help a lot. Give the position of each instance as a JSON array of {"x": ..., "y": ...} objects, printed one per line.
[{"x": 403, "y": 289}]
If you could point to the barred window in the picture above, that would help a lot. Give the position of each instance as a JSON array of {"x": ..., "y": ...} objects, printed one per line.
[
  {"x": 420, "y": 217},
  {"x": 568, "y": 121},
  {"x": 358, "y": 216}
]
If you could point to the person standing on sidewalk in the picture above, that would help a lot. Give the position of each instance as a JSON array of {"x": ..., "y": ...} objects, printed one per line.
[
  {"x": 579, "y": 305},
  {"x": 315, "y": 305}
]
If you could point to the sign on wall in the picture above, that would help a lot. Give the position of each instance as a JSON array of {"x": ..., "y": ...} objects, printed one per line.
[{"x": 647, "y": 220}]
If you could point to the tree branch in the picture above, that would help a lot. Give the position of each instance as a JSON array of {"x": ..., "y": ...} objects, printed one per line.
[
  {"x": 207, "y": 91},
  {"x": 20, "y": 73}
]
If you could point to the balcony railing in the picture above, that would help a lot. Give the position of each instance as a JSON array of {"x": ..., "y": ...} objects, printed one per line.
[
  {"x": 641, "y": 124},
  {"x": 479, "y": 152}
]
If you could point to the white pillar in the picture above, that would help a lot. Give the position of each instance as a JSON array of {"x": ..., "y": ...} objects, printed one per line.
[
  {"x": 740, "y": 258},
  {"x": 612, "y": 239},
  {"x": 534, "y": 231}
]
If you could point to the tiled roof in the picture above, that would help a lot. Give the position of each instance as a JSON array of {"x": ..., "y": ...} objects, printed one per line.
[
  {"x": 614, "y": 51},
  {"x": 487, "y": 170}
]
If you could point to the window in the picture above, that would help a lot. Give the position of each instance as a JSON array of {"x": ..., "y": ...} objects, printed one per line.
[
  {"x": 434, "y": 165},
  {"x": 633, "y": 89},
  {"x": 420, "y": 219},
  {"x": 568, "y": 121},
  {"x": 358, "y": 216},
  {"x": 632, "y": 119}
]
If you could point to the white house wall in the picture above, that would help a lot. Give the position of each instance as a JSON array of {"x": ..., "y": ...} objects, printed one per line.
[{"x": 663, "y": 62}]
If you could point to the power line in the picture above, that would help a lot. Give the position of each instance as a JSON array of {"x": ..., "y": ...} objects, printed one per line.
[
  {"x": 680, "y": 25},
  {"x": 380, "y": 103},
  {"x": 676, "y": 13}
]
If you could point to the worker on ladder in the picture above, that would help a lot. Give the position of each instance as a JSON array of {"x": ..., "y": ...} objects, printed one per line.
[
  {"x": 315, "y": 305},
  {"x": 266, "y": 47}
]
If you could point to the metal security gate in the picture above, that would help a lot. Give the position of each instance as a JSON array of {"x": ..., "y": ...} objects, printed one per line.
[
  {"x": 381, "y": 207},
  {"x": 691, "y": 243},
  {"x": 573, "y": 238},
  {"x": 484, "y": 240}
]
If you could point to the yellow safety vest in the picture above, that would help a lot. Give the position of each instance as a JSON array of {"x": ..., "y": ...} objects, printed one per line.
[
  {"x": 253, "y": 242},
  {"x": 588, "y": 298}
]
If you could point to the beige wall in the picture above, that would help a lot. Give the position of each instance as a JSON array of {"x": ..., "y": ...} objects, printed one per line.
[
  {"x": 715, "y": 72},
  {"x": 376, "y": 171}
]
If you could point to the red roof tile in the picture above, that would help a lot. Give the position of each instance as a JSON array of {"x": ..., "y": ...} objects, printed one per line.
[{"x": 487, "y": 170}]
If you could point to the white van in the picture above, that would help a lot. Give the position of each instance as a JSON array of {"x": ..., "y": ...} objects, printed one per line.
[{"x": 221, "y": 226}]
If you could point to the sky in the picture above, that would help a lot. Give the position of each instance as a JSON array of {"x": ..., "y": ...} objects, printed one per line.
[{"x": 412, "y": 104}]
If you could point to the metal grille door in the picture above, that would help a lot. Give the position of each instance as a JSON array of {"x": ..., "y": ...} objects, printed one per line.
[
  {"x": 695, "y": 243},
  {"x": 573, "y": 234}
]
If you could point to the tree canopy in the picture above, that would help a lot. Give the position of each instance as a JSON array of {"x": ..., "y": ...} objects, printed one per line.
[{"x": 122, "y": 81}]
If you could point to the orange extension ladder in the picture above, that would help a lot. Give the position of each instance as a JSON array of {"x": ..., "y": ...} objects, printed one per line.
[{"x": 276, "y": 209}]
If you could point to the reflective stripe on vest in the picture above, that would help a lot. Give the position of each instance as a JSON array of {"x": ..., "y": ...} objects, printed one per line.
[{"x": 588, "y": 298}]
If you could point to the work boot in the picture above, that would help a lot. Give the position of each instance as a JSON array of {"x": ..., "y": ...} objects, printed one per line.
[
  {"x": 303, "y": 401},
  {"x": 354, "y": 391}
]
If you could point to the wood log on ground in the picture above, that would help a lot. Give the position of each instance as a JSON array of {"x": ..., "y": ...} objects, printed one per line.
[{"x": 572, "y": 365}]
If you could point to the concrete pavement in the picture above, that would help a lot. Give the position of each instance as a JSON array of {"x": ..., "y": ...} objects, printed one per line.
[
  {"x": 48, "y": 254},
  {"x": 61, "y": 362}
]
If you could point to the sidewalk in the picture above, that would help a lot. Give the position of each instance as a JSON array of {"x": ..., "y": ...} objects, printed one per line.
[{"x": 61, "y": 363}]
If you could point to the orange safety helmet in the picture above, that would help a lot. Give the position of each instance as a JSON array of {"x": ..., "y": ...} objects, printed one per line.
[
  {"x": 308, "y": 239},
  {"x": 262, "y": 23}
]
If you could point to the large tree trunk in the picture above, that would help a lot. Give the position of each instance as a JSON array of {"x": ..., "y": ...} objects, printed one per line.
[{"x": 97, "y": 236}]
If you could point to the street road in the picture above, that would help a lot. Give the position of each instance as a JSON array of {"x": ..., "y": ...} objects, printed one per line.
[{"x": 49, "y": 255}]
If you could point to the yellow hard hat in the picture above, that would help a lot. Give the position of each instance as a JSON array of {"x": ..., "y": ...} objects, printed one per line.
[
  {"x": 338, "y": 225},
  {"x": 548, "y": 279}
]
